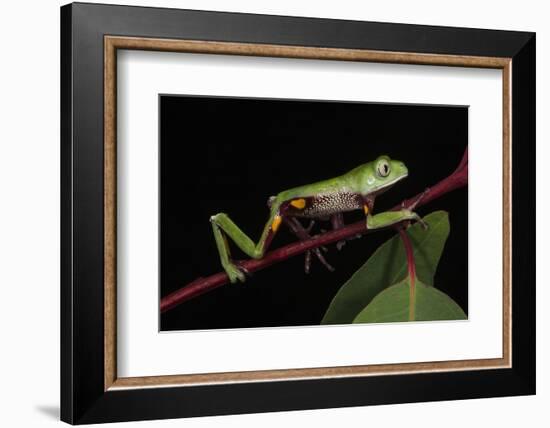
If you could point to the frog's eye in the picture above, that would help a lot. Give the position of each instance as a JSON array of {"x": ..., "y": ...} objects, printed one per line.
[{"x": 383, "y": 168}]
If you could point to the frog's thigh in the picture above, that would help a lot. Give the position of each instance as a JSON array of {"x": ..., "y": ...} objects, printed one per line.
[{"x": 299, "y": 203}]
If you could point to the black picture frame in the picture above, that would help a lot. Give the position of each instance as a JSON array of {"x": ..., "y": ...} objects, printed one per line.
[{"x": 83, "y": 395}]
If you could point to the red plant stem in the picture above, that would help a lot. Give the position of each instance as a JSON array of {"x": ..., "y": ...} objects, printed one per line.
[
  {"x": 411, "y": 267},
  {"x": 458, "y": 179}
]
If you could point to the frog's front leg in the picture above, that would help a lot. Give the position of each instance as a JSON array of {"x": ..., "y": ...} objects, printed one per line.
[
  {"x": 337, "y": 222},
  {"x": 303, "y": 235},
  {"x": 390, "y": 218}
]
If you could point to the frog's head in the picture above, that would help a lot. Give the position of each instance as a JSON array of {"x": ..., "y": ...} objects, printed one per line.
[{"x": 381, "y": 174}]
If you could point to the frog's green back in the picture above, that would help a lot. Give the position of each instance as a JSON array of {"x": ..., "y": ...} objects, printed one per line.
[{"x": 343, "y": 183}]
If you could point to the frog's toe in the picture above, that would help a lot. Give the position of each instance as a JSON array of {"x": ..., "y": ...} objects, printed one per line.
[
  {"x": 235, "y": 273},
  {"x": 340, "y": 244},
  {"x": 420, "y": 220}
]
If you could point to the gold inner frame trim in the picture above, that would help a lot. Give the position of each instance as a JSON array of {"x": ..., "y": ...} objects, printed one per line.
[{"x": 113, "y": 43}]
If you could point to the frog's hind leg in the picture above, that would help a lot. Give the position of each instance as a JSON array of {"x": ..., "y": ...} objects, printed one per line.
[{"x": 223, "y": 227}]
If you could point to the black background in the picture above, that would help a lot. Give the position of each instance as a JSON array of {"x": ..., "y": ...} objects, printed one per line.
[{"x": 231, "y": 154}]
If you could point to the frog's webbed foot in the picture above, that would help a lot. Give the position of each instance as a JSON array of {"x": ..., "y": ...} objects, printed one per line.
[
  {"x": 410, "y": 207},
  {"x": 303, "y": 234},
  {"x": 412, "y": 217},
  {"x": 415, "y": 203},
  {"x": 340, "y": 244},
  {"x": 418, "y": 219},
  {"x": 236, "y": 272},
  {"x": 422, "y": 223}
]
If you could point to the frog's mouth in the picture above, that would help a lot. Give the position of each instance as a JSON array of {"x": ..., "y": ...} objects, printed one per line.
[
  {"x": 388, "y": 186},
  {"x": 369, "y": 199}
]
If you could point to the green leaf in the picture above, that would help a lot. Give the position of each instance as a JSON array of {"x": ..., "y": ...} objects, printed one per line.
[
  {"x": 388, "y": 265},
  {"x": 394, "y": 305}
]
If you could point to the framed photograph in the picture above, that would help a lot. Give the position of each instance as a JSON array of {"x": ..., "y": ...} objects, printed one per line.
[{"x": 265, "y": 213}]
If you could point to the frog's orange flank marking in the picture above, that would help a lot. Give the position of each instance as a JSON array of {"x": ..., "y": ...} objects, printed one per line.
[
  {"x": 298, "y": 203},
  {"x": 366, "y": 208},
  {"x": 276, "y": 223}
]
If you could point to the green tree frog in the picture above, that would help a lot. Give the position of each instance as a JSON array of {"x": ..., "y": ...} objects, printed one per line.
[{"x": 327, "y": 199}]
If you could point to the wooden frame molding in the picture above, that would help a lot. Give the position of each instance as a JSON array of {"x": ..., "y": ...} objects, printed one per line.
[{"x": 113, "y": 43}]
